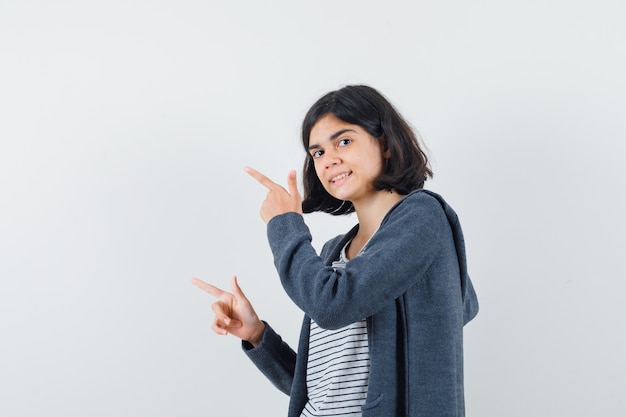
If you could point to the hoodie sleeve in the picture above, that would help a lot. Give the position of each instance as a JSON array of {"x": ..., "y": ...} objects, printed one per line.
[
  {"x": 274, "y": 358},
  {"x": 412, "y": 235}
]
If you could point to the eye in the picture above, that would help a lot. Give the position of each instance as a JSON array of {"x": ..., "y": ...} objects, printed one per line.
[
  {"x": 343, "y": 142},
  {"x": 317, "y": 153}
]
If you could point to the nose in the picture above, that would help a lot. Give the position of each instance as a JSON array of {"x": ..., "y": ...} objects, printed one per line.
[{"x": 332, "y": 159}]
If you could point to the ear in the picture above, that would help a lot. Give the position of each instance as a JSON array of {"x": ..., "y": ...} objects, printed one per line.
[{"x": 387, "y": 153}]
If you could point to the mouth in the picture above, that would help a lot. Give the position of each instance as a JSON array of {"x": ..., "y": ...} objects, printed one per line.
[{"x": 340, "y": 177}]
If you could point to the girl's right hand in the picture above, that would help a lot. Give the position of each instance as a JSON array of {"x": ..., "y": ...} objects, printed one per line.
[{"x": 233, "y": 313}]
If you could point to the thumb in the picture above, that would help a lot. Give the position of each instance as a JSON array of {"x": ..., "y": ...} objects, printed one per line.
[
  {"x": 237, "y": 292},
  {"x": 292, "y": 183}
]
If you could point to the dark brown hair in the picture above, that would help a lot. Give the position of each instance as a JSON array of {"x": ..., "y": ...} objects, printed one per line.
[{"x": 407, "y": 167}]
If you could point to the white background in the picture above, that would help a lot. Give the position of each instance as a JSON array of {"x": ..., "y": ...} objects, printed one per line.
[{"x": 125, "y": 127}]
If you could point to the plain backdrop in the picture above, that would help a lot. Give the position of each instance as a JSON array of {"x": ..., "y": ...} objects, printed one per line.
[{"x": 125, "y": 127}]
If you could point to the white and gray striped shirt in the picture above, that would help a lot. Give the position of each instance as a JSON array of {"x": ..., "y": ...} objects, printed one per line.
[{"x": 338, "y": 368}]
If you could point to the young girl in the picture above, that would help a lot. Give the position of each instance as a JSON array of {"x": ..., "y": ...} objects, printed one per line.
[{"x": 385, "y": 303}]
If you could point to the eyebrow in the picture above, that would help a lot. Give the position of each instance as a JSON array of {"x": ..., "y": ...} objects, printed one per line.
[{"x": 332, "y": 137}]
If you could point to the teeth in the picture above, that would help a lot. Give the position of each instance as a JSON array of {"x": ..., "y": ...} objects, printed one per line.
[{"x": 338, "y": 177}]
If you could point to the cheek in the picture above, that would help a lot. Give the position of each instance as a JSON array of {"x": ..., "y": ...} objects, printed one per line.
[
  {"x": 376, "y": 168},
  {"x": 317, "y": 166}
]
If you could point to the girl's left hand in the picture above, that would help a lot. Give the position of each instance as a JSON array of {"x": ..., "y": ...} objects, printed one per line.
[{"x": 278, "y": 200}]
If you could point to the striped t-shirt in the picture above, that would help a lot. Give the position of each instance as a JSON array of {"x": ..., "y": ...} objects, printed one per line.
[{"x": 338, "y": 368}]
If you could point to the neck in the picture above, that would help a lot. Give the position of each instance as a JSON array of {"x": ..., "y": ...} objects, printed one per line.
[{"x": 371, "y": 212}]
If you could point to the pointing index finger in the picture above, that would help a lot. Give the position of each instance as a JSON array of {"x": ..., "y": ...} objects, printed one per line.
[
  {"x": 211, "y": 289},
  {"x": 266, "y": 182}
]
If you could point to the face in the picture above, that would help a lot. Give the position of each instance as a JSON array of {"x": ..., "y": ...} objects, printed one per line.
[{"x": 347, "y": 159}]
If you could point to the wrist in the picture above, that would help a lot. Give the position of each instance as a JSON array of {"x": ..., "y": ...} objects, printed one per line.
[{"x": 257, "y": 336}]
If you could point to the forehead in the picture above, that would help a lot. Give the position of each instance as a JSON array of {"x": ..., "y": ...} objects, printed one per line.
[{"x": 329, "y": 126}]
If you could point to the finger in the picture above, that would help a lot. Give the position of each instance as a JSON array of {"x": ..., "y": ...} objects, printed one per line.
[
  {"x": 228, "y": 324},
  {"x": 223, "y": 320},
  {"x": 219, "y": 330},
  {"x": 237, "y": 291},
  {"x": 213, "y": 290},
  {"x": 292, "y": 182},
  {"x": 265, "y": 181},
  {"x": 220, "y": 311}
]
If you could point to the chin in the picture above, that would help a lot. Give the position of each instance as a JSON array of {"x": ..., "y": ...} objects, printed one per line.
[{"x": 341, "y": 197}]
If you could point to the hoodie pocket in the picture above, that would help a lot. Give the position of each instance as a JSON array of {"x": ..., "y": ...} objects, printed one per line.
[{"x": 370, "y": 406}]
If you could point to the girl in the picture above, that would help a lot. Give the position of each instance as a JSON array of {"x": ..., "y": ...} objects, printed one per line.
[{"x": 385, "y": 303}]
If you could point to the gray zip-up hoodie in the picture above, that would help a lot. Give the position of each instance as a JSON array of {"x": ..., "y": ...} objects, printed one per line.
[{"x": 411, "y": 284}]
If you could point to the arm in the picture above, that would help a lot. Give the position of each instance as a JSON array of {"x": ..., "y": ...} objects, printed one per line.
[
  {"x": 408, "y": 240},
  {"x": 399, "y": 254}
]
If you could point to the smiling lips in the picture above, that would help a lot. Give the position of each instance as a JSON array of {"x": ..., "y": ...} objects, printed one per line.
[{"x": 340, "y": 177}]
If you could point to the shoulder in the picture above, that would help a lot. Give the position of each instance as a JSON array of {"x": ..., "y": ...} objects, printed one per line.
[
  {"x": 419, "y": 203},
  {"x": 423, "y": 196},
  {"x": 419, "y": 213}
]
